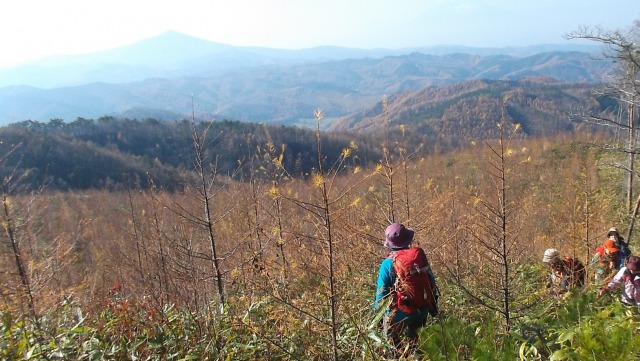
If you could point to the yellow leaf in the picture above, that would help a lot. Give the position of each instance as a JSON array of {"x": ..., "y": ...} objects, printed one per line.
[
  {"x": 318, "y": 179},
  {"x": 355, "y": 202},
  {"x": 274, "y": 192}
]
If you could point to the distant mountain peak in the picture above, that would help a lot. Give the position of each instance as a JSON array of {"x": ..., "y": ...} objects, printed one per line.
[{"x": 178, "y": 40}]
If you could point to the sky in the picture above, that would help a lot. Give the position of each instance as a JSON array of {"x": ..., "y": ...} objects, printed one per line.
[{"x": 30, "y": 29}]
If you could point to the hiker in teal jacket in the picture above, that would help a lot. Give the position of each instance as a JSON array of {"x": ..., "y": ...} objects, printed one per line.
[{"x": 396, "y": 322}]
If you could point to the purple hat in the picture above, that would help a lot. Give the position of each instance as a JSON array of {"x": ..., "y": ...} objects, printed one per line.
[{"x": 398, "y": 236}]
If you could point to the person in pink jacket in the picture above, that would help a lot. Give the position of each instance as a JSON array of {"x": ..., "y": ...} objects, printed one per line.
[{"x": 627, "y": 277}]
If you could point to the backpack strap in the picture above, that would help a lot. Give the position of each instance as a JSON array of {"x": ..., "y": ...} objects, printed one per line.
[{"x": 424, "y": 269}]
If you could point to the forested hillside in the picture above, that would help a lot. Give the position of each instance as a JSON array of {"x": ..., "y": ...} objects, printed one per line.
[
  {"x": 542, "y": 106},
  {"x": 123, "y": 153},
  {"x": 119, "y": 154}
]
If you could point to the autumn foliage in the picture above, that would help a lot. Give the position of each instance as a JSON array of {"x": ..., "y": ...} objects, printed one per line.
[{"x": 133, "y": 274}]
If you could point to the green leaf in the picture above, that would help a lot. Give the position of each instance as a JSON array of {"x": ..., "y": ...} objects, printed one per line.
[
  {"x": 374, "y": 336},
  {"x": 559, "y": 355},
  {"x": 380, "y": 312},
  {"x": 30, "y": 352},
  {"x": 566, "y": 336},
  {"x": 522, "y": 351}
]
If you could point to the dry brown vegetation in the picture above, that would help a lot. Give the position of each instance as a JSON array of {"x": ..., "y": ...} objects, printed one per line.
[{"x": 296, "y": 261}]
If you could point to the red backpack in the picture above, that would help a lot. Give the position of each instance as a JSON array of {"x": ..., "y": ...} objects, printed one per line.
[{"x": 414, "y": 286}]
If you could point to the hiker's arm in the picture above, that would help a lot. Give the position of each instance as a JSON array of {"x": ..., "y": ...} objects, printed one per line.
[
  {"x": 617, "y": 280},
  {"x": 564, "y": 282},
  {"x": 385, "y": 281},
  {"x": 636, "y": 290}
]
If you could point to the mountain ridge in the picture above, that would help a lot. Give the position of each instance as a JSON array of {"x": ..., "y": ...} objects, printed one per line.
[
  {"x": 462, "y": 110},
  {"x": 174, "y": 53},
  {"x": 170, "y": 74},
  {"x": 288, "y": 94}
]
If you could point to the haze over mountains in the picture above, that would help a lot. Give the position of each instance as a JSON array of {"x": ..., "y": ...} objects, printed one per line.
[{"x": 165, "y": 76}]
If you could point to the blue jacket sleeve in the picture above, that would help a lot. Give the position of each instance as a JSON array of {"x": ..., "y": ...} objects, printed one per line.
[{"x": 385, "y": 281}]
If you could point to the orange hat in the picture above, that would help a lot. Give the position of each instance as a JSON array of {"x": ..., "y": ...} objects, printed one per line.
[{"x": 610, "y": 246}]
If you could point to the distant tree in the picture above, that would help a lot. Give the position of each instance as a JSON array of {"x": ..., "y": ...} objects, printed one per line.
[
  {"x": 55, "y": 123},
  {"x": 623, "y": 47}
]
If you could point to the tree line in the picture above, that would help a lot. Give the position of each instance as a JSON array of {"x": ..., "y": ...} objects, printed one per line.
[{"x": 124, "y": 153}]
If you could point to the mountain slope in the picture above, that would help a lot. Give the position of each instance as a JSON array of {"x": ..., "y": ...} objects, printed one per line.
[
  {"x": 470, "y": 110},
  {"x": 173, "y": 54},
  {"x": 167, "y": 55},
  {"x": 288, "y": 94},
  {"x": 87, "y": 153}
]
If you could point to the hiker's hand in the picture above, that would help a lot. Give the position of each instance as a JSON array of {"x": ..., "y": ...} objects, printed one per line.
[
  {"x": 602, "y": 292},
  {"x": 627, "y": 278}
]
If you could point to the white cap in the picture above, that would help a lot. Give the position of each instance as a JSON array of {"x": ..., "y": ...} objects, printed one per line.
[{"x": 550, "y": 254}]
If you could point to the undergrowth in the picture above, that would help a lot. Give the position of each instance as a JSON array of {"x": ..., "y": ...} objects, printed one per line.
[{"x": 575, "y": 326}]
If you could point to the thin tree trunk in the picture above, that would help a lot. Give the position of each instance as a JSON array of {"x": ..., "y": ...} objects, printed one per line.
[
  {"x": 9, "y": 230},
  {"x": 198, "y": 146},
  {"x": 136, "y": 236},
  {"x": 503, "y": 229},
  {"x": 327, "y": 224},
  {"x": 630, "y": 156},
  {"x": 632, "y": 221},
  {"x": 587, "y": 218}
]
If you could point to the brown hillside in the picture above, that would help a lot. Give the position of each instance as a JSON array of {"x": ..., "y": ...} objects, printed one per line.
[{"x": 540, "y": 105}]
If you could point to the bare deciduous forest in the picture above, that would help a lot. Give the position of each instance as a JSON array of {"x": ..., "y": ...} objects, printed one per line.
[{"x": 285, "y": 267}]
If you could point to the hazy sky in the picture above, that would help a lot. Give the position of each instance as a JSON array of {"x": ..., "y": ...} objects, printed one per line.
[{"x": 33, "y": 28}]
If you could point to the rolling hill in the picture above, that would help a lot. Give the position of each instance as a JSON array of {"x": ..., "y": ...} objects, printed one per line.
[
  {"x": 469, "y": 110},
  {"x": 118, "y": 153},
  {"x": 165, "y": 77}
]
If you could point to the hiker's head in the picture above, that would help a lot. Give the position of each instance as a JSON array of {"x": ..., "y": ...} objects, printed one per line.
[
  {"x": 613, "y": 232},
  {"x": 398, "y": 236},
  {"x": 633, "y": 264},
  {"x": 610, "y": 246},
  {"x": 551, "y": 256}
]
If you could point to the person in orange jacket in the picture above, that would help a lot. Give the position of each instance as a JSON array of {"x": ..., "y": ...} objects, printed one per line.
[{"x": 605, "y": 260}]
